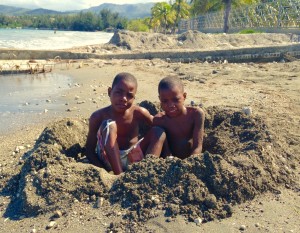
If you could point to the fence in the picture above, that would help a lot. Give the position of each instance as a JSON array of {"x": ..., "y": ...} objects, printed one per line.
[{"x": 271, "y": 15}]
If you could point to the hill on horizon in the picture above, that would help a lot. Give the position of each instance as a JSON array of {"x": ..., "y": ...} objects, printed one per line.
[{"x": 130, "y": 11}]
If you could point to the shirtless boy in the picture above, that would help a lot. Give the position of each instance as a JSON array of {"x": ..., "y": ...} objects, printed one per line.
[
  {"x": 112, "y": 140},
  {"x": 184, "y": 126}
]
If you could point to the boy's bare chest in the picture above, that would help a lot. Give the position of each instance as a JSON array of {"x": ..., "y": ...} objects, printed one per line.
[
  {"x": 126, "y": 125},
  {"x": 179, "y": 126}
]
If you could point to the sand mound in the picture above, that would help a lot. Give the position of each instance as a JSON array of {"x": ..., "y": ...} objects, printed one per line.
[
  {"x": 195, "y": 40},
  {"x": 242, "y": 160},
  {"x": 142, "y": 40},
  {"x": 56, "y": 174}
]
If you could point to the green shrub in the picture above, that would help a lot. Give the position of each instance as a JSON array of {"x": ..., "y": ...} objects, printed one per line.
[
  {"x": 137, "y": 25},
  {"x": 249, "y": 31}
]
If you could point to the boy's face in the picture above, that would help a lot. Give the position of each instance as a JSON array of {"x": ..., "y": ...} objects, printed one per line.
[
  {"x": 172, "y": 101},
  {"x": 122, "y": 95}
]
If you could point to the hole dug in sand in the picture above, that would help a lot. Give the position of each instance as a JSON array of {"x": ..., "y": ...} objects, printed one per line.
[{"x": 241, "y": 160}]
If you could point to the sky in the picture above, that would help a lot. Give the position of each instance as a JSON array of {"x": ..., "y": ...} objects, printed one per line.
[{"x": 67, "y": 5}]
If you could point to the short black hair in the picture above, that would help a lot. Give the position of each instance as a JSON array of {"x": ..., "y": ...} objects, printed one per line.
[
  {"x": 169, "y": 82},
  {"x": 124, "y": 76}
]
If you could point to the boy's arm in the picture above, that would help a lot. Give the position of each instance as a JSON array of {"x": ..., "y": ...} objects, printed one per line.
[
  {"x": 198, "y": 132},
  {"x": 91, "y": 141},
  {"x": 147, "y": 117}
]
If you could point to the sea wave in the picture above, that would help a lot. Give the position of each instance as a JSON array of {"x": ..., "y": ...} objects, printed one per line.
[{"x": 49, "y": 39}]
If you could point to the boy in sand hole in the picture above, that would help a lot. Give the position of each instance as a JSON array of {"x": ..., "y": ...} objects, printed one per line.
[
  {"x": 184, "y": 126},
  {"x": 112, "y": 141}
]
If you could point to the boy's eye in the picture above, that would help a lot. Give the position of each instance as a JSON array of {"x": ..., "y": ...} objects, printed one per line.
[
  {"x": 130, "y": 96},
  {"x": 164, "y": 101}
]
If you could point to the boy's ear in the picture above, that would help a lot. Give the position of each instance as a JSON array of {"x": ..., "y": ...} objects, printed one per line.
[
  {"x": 184, "y": 95},
  {"x": 109, "y": 91}
]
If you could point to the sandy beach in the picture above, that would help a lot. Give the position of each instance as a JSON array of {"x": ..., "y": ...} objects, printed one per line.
[{"x": 248, "y": 178}]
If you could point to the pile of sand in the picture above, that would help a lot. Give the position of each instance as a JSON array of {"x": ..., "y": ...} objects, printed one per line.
[
  {"x": 195, "y": 40},
  {"x": 242, "y": 160}
]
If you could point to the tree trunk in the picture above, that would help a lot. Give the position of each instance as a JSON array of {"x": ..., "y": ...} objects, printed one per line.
[{"x": 226, "y": 15}]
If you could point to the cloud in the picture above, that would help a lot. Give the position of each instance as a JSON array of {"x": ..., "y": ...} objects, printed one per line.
[{"x": 66, "y": 5}]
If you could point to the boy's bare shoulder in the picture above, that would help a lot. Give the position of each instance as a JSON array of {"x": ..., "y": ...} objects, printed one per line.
[
  {"x": 99, "y": 114},
  {"x": 140, "y": 110},
  {"x": 195, "y": 111},
  {"x": 159, "y": 118}
]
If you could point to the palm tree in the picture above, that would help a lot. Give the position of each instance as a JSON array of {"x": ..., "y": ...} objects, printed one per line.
[
  {"x": 181, "y": 8},
  {"x": 162, "y": 15}
]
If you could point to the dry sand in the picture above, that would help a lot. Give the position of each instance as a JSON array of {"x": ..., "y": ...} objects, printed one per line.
[{"x": 247, "y": 181}]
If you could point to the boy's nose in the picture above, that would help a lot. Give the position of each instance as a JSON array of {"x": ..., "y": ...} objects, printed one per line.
[
  {"x": 171, "y": 105},
  {"x": 124, "y": 97}
]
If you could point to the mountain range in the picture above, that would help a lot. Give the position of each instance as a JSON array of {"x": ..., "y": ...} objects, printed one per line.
[{"x": 130, "y": 11}]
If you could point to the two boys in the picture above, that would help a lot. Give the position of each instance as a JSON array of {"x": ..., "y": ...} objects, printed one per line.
[{"x": 114, "y": 130}]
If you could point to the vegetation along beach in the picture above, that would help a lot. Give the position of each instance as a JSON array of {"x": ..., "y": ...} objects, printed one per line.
[{"x": 247, "y": 82}]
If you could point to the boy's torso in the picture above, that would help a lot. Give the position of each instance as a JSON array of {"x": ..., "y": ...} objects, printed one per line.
[{"x": 127, "y": 126}]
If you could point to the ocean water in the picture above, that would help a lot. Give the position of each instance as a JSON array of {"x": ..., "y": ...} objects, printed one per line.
[
  {"x": 49, "y": 39},
  {"x": 25, "y": 98}
]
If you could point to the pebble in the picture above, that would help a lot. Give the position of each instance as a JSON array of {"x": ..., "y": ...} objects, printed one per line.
[
  {"x": 51, "y": 225},
  {"x": 33, "y": 230},
  {"x": 198, "y": 221},
  {"x": 247, "y": 110},
  {"x": 242, "y": 228},
  {"x": 168, "y": 219},
  {"x": 57, "y": 214}
]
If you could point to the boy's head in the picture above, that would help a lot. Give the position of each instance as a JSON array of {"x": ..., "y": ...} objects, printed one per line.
[
  {"x": 125, "y": 77},
  {"x": 172, "y": 95},
  {"x": 122, "y": 92}
]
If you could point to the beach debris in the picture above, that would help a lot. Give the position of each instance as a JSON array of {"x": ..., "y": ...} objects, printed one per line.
[
  {"x": 81, "y": 102},
  {"x": 33, "y": 230},
  {"x": 179, "y": 43},
  {"x": 46, "y": 110},
  {"x": 99, "y": 202}
]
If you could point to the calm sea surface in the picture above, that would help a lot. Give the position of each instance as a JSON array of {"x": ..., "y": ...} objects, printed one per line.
[
  {"x": 47, "y": 39},
  {"x": 24, "y": 99}
]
